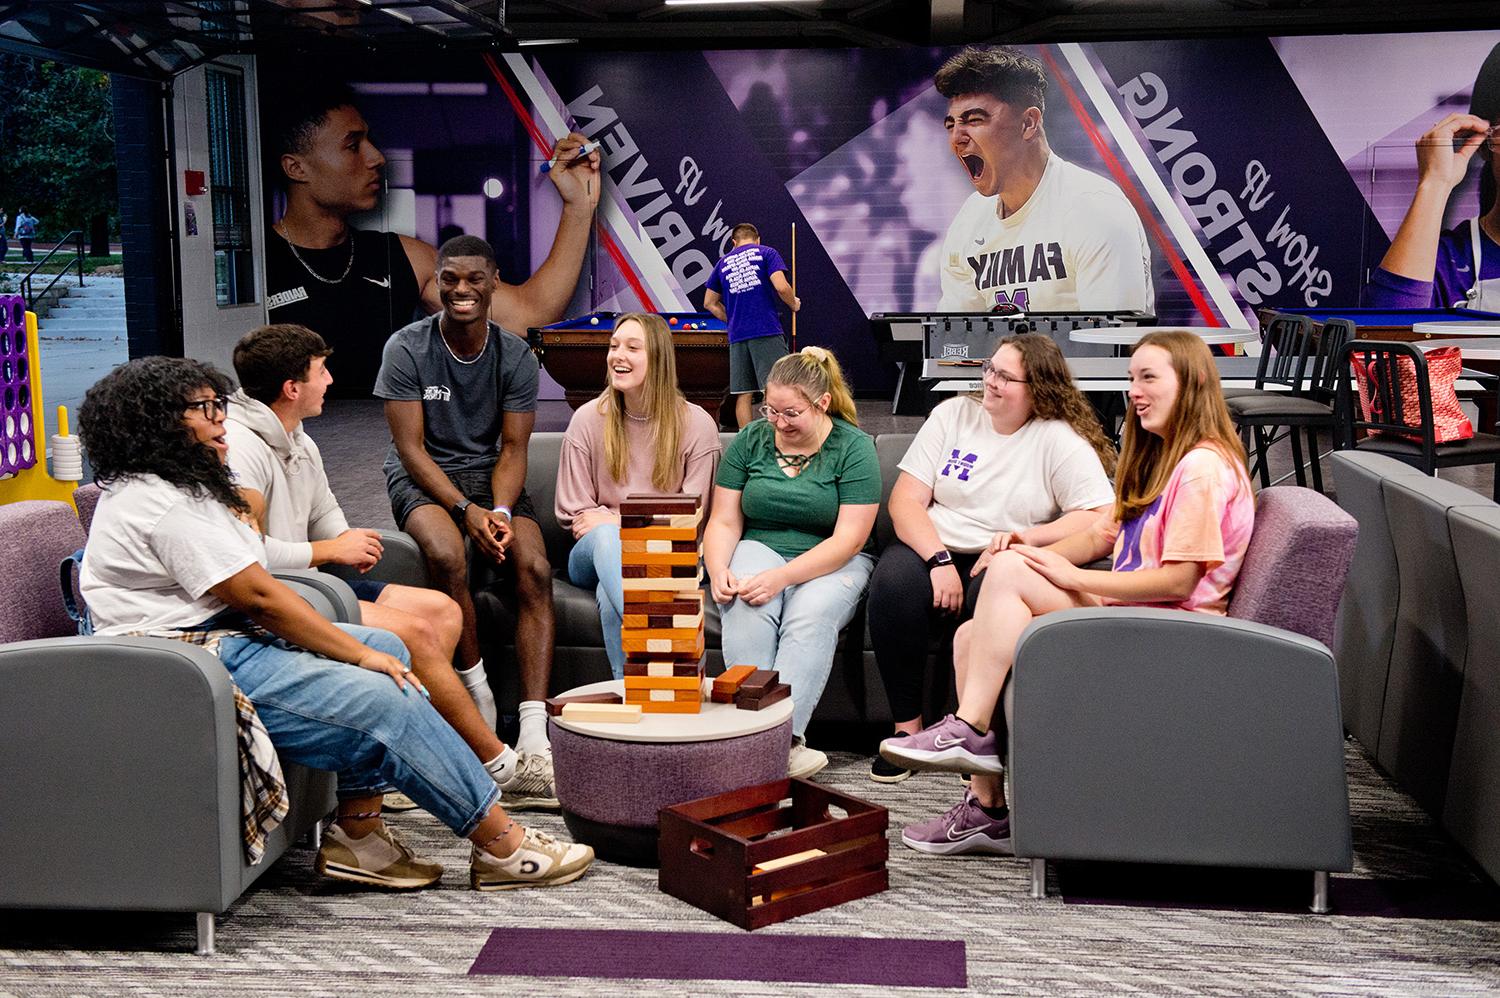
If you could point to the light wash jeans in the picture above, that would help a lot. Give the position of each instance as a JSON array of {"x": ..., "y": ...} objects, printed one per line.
[
  {"x": 335, "y": 716},
  {"x": 594, "y": 563},
  {"x": 796, "y": 631}
]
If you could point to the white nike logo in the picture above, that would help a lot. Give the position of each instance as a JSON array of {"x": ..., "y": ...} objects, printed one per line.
[
  {"x": 383, "y": 282},
  {"x": 955, "y": 834},
  {"x": 1462, "y": 268},
  {"x": 943, "y": 741}
]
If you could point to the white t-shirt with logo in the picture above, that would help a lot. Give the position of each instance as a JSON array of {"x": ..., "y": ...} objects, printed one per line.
[
  {"x": 154, "y": 551},
  {"x": 1076, "y": 245},
  {"x": 983, "y": 481}
]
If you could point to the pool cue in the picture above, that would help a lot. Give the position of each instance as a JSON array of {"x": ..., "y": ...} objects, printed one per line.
[{"x": 794, "y": 285}]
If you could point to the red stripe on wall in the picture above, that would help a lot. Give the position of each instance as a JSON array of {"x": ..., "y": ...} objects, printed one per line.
[
  {"x": 1122, "y": 178},
  {"x": 529, "y": 123}
]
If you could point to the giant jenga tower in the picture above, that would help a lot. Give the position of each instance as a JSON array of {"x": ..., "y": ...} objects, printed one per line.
[{"x": 663, "y": 626}]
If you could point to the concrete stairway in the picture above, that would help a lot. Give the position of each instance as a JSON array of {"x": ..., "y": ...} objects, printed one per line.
[{"x": 95, "y": 311}]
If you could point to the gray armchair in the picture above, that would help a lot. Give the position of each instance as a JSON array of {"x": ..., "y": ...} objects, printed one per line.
[
  {"x": 122, "y": 786},
  {"x": 1159, "y": 736}
]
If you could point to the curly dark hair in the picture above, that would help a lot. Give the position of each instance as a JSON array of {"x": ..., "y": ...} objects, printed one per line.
[
  {"x": 132, "y": 423},
  {"x": 1003, "y": 73},
  {"x": 1055, "y": 396}
]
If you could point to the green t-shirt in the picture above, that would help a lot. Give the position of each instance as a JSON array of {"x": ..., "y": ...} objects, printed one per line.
[{"x": 793, "y": 515}]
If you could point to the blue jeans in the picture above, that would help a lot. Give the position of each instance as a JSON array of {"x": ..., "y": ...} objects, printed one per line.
[
  {"x": 796, "y": 631},
  {"x": 594, "y": 563},
  {"x": 357, "y": 723}
]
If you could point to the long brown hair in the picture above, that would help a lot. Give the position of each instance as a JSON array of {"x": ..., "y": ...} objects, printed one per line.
[
  {"x": 663, "y": 401},
  {"x": 1198, "y": 416},
  {"x": 813, "y": 371},
  {"x": 1055, "y": 396}
]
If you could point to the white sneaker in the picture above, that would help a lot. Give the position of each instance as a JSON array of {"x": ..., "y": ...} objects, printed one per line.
[
  {"x": 530, "y": 788},
  {"x": 803, "y": 761},
  {"x": 539, "y": 861}
]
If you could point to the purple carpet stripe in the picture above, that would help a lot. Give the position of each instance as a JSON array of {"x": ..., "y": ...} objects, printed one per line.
[{"x": 724, "y": 956}]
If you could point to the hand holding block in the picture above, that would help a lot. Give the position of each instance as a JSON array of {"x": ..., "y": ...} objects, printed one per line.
[
  {"x": 609, "y": 713},
  {"x": 775, "y": 694},
  {"x": 556, "y": 704}
]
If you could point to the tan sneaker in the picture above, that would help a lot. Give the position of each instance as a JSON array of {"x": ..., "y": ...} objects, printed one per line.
[
  {"x": 396, "y": 802},
  {"x": 804, "y": 761},
  {"x": 379, "y": 858},
  {"x": 530, "y": 787},
  {"x": 539, "y": 861}
]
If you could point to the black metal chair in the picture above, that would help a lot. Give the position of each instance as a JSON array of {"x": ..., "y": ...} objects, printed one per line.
[
  {"x": 1296, "y": 356},
  {"x": 1394, "y": 435}
]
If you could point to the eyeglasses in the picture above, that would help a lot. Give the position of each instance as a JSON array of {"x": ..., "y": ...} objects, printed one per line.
[
  {"x": 786, "y": 414},
  {"x": 989, "y": 370},
  {"x": 211, "y": 408}
]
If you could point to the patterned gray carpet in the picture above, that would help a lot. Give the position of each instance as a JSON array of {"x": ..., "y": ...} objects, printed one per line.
[{"x": 296, "y": 935}]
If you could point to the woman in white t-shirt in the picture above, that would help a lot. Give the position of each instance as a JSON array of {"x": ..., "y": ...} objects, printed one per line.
[
  {"x": 1026, "y": 462},
  {"x": 170, "y": 555}
]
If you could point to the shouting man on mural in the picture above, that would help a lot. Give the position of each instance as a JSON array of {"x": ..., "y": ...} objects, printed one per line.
[
  {"x": 1038, "y": 234},
  {"x": 355, "y": 287}
]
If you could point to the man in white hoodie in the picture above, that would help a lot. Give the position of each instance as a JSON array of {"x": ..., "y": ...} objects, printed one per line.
[{"x": 283, "y": 379}]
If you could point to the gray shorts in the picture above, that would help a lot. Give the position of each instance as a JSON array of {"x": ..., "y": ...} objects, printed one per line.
[
  {"x": 406, "y": 495},
  {"x": 750, "y": 362}
]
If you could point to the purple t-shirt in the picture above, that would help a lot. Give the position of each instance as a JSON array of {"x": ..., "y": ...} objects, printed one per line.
[
  {"x": 743, "y": 279},
  {"x": 1452, "y": 277}
]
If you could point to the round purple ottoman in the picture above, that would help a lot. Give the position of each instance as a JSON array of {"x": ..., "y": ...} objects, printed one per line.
[{"x": 612, "y": 779}]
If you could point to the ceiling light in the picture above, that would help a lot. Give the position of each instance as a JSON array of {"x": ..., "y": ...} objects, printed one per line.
[{"x": 529, "y": 42}]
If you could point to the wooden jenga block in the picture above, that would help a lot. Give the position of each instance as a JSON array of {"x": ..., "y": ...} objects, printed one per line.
[
  {"x": 758, "y": 682},
  {"x": 691, "y": 682},
  {"x": 663, "y": 667},
  {"x": 660, "y": 571},
  {"x": 628, "y": 548},
  {"x": 665, "y": 647},
  {"x": 665, "y": 602},
  {"x": 729, "y": 681},
  {"x": 684, "y": 558},
  {"x": 609, "y": 713},
  {"x": 556, "y": 704},
  {"x": 694, "y": 706},
  {"x": 659, "y": 534},
  {"x": 678, "y": 621},
  {"x": 655, "y": 503},
  {"x": 663, "y": 696},
  {"x": 775, "y": 694},
  {"x": 683, "y": 584},
  {"x": 680, "y": 521},
  {"x": 642, "y": 634}
]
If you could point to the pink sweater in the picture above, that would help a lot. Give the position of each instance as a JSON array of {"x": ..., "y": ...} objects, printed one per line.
[{"x": 584, "y": 482}]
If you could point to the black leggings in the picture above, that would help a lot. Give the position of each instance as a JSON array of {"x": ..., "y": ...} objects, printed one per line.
[{"x": 903, "y": 621}]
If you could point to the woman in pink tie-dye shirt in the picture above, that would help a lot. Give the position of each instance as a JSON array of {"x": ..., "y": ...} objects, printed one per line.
[{"x": 1179, "y": 529}]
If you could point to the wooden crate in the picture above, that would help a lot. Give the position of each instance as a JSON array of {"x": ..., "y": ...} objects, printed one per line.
[{"x": 709, "y": 850}]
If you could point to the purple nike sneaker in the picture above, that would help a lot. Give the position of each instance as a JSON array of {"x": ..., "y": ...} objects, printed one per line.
[
  {"x": 949, "y": 746},
  {"x": 963, "y": 828}
]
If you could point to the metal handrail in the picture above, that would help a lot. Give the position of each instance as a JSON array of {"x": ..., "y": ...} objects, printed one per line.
[{"x": 26, "y": 287}]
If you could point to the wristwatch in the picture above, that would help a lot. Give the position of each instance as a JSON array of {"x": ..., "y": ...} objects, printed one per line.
[
  {"x": 941, "y": 558},
  {"x": 459, "y": 508}
]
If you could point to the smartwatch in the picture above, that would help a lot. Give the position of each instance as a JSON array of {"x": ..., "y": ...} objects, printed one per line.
[
  {"x": 941, "y": 558},
  {"x": 459, "y": 508}
]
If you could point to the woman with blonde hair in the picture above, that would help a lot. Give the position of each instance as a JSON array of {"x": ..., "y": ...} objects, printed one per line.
[
  {"x": 1178, "y": 531},
  {"x": 1026, "y": 462},
  {"x": 787, "y": 547},
  {"x": 639, "y": 435}
]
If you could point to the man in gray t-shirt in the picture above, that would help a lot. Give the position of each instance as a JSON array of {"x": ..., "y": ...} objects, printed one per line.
[{"x": 460, "y": 398}]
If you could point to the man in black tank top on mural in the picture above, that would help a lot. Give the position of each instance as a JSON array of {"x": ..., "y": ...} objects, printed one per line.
[{"x": 353, "y": 287}]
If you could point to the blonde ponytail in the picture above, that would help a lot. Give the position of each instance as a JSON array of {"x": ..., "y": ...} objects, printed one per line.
[{"x": 813, "y": 372}]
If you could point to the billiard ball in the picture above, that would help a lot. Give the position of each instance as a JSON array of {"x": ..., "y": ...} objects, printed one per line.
[{"x": 594, "y": 321}]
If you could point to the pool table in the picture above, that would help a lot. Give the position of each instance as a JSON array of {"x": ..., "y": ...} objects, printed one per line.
[{"x": 573, "y": 352}]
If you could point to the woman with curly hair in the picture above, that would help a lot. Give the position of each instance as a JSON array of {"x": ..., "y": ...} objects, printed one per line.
[
  {"x": 1178, "y": 530},
  {"x": 787, "y": 547},
  {"x": 170, "y": 550},
  {"x": 639, "y": 435},
  {"x": 1026, "y": 462}
]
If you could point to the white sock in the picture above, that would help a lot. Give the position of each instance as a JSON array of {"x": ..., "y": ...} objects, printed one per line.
[
  {"x": 533, "y": 737},
  {"x": 503, "y": 766},
  {"x": 478, "y": 685}
]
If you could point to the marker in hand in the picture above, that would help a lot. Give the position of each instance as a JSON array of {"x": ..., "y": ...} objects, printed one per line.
[{"x": 588, "y": 147}]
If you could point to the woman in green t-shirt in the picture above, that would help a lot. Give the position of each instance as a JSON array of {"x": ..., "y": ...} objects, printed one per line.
[{"x": 786, "y": 547}]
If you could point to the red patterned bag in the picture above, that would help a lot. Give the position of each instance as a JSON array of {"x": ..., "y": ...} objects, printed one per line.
[{"x": 1444, "y": 365}]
